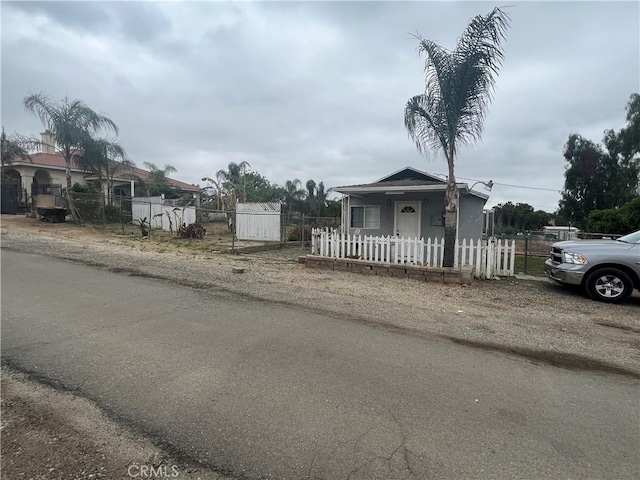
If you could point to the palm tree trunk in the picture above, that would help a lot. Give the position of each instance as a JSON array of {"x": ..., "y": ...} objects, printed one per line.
[
  {"x": 67, "y": 171},
  {"x": 70, "y": 202},
  {"x": 451, "y": 216}
]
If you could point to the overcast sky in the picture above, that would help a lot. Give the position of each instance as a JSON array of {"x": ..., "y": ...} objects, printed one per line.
[{"x": 317, "y": 89}]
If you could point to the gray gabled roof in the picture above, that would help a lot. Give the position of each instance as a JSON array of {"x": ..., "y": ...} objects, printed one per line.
[
  {"x": 410, "y": 173},
  {"x": 407, "y": 179}
]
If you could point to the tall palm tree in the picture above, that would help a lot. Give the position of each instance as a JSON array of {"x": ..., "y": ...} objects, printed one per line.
[
  {"x": 321, "y": 199},
  {"x": 235, "y": 180},
  {"x": 70, "y": 121},
  {"x": 218, "y": 187},
  {"x": 107, "y": 158},
  {"x": 293, "y": 193},
  {"x": 156, "y": 182},
  {"x": 458, "y": 88},
  {"x": 311, "y": 196}
]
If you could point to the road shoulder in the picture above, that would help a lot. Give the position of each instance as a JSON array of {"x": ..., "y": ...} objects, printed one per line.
[{"x": 51, "y": 434}]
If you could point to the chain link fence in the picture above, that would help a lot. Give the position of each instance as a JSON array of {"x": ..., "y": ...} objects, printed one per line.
[
  {"x": 297, "y": 227},
  {"x": 148, "y": 216},
  {"x": 533, "y": 249}
]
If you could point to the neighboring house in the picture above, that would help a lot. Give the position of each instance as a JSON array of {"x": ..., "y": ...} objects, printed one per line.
[
  {"x": 409, "y": 203},
  {"x": 45, "y": 175}
]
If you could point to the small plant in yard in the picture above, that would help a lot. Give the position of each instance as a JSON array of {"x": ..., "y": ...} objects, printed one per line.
[
  {"x": 193, "y": 230},
  {"x": 144, "y": 226}
]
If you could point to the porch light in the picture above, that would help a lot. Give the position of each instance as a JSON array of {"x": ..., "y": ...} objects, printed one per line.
[{"x": 487, "y": 185}]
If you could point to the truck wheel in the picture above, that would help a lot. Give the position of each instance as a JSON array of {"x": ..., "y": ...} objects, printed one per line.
[{"x": 609, "y": 285}]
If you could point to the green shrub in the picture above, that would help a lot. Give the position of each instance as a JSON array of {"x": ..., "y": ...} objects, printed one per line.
[
  {"x": 111, "y": 213},
  {"x": 89, "y": 188}
]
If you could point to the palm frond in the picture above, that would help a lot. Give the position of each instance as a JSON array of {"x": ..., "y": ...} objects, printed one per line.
[{"x": 458, "y": 86}]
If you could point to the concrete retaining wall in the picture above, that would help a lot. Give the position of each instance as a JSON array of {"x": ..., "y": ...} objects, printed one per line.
[{"x": 422, "y": 274}]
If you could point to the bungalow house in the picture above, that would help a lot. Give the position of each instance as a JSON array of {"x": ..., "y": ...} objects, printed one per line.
[
  {"x": 409, "y": 203},
  {"x": 44, "y": 175}
]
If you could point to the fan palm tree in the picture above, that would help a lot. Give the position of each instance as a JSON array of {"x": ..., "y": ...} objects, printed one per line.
[
  {"x": 107, "y": 158},
  {"x": 70, "y": 121},
  {"x": 311, "y": 196},
  {"x": 458, "y": 88},
  {"x": 293, "y": 193}
]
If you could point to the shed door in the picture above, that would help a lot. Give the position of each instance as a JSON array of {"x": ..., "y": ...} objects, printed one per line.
[{"x": 408, "y": 219}]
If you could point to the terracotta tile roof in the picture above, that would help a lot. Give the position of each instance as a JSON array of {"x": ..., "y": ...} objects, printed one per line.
[{"x": 56, "y": 160}]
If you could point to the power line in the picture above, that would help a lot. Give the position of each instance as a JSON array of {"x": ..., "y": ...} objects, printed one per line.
[
  {"x": 505, "y": 184},
  {"x": 530, "y": 188}
]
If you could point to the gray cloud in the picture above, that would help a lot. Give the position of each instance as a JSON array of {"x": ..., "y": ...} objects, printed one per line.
[{"x": 317, "y": 90}]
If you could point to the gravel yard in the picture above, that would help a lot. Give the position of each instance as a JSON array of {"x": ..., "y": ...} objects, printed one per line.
[{"x": 538, "y": 319}]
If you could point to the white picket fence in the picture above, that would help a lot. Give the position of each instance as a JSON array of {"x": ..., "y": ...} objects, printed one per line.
[{"x": 493, "y": 257}]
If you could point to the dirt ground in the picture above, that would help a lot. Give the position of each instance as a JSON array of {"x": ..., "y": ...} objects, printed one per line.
[
  {"x": 53, "y": 435},
  {"x": 45, "y": 438}
]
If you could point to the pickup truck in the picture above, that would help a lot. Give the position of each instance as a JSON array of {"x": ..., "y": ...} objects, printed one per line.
[{"x": 609, "y": 270}]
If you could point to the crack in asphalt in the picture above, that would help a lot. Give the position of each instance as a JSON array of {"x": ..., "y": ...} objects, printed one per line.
[{"x": 401, "y": 455}]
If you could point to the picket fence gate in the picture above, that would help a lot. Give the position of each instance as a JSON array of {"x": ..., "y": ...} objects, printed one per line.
[{"x": 492, "y": 257}]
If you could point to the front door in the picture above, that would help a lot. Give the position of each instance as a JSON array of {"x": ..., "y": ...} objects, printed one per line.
[{"x": 408, "y": 219}]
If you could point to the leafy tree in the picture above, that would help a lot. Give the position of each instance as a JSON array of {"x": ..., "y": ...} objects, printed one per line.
[
  {"x": 259, "y": 189},
  {"x": 630, "y": 135},
  {"x": 70, "y": 121},
  {"x": 616, "y": 220},
  {"x": 601, "y": 177},
  {"x": 334, "y": 208},
  {"x": 458, "y": 90},
  {"x": 521, "y": 217}
]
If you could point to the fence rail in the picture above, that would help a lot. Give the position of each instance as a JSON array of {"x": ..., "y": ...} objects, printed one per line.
[{"x": 492, "y": 257}]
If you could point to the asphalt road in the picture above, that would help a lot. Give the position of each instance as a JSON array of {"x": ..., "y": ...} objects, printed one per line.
[{"x": 269, "y": 391}]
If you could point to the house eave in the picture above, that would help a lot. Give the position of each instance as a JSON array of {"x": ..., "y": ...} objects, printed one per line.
[
  {"x": 43, "y": 166},
  {"x": 396, "y": 189}
]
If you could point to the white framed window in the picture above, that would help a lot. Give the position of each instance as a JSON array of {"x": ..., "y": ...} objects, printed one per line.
[{"x": 365, "y": 217}]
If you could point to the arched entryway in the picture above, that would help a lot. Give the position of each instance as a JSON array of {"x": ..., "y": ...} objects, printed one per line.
[
  {"x": 41, "y": 184},
  {"x": 41, "y": 177},
  {"x": 12, "y": 176}
]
